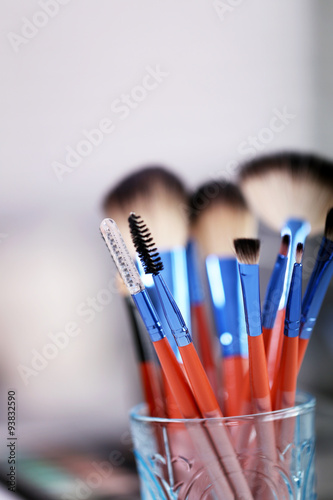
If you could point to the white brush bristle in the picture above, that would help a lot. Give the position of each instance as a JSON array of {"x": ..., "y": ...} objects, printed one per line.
[{"x": 278, "y": 195}]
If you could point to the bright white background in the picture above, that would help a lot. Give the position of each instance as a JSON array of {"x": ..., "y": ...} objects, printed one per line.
[{"x": 226, "y": 75}]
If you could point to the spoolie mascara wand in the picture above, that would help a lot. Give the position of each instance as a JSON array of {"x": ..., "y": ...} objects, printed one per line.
[
  {"x": 170, "y": 366},
  {"x": 316, "y": 288},
  {"x": 198, "y": 379}
]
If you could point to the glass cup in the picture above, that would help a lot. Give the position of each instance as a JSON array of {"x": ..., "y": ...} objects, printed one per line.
[{"x": 177, "y": 459}]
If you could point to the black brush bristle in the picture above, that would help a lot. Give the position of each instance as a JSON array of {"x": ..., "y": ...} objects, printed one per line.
[
  {"x": 299, "y": 252},
  {"x": 247, "y": 250},
  {"x": 144, "y": 245},
  {"x": 285, "y": 242},
  {"x": 329, "y": 225}
]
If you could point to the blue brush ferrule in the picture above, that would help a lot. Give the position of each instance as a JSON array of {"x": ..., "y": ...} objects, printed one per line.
[
  {"x": 172, "y": 313},
  {"x": 317, "y": 287},
  {"x": 195, "y": 287},
  {"x": 298, "y": 231},
  {"x": 274, "y": 291},
  {"x": 293, "y": 308},
  {"x": 176, "y": 277},
  {"x": 249, "y": 274},
  {"x": 226, "y": 294},
  {"x": 148, "y": 315}
]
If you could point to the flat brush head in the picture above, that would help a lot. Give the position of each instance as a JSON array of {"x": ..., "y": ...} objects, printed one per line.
[
  {"x": 329, "y": 225},
  {"x": 299, "y": 253},
  {"x": 247, "y": 250},
  {"x": 219, "y": 214},
  {"x": 144, "y": 245},
  {"x": 285, "y": 242},
  {"x": 288, "y": 185},
  {"x": 160, "y": 197}
]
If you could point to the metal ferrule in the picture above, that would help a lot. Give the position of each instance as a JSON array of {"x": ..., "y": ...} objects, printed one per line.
[
  {"x": 176, "y": 278},
  {"x": 274, "y": 291},
  {"x": 249, "y": 274},
  {"x": 148, "y": 315},
  {"x": 317, "y": 287},
  {"x": 293, "y": 309},
  {"x": 298, "y": 231},
  {"x": 226, "y": 294},
  {"x": 195, "y": 286},
  {"x": 172, "y": 313}
]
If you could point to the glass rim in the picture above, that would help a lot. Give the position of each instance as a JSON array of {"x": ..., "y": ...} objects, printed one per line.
[{"x": 308, "y": 403}]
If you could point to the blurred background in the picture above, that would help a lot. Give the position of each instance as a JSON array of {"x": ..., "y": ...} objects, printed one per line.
[{"x": 217, "y": 77}]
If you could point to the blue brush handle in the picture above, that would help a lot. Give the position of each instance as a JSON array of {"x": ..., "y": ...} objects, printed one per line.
[
  {"x": 148, "y": 315},
  {"x": 274, "y": 291},
  {"x": 317, "y": 287},
  {"x": 226, "y": 294},
  {"x": 293, "y": 308},
  {"x": 249, "y": 274},
  {"x": 172, "y": 313},
  {"x": 195, "y": 287}
]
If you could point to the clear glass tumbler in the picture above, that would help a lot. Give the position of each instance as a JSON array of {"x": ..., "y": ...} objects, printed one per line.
[{"x": 177, "y": 459}]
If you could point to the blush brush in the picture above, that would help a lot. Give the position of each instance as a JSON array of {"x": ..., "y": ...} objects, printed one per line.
[
  {"x": 220, "y": 215},
  {"x": 290, "y": 192}
]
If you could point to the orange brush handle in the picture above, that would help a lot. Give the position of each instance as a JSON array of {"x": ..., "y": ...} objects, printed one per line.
[
  {"x": 233, "y": 372},
  {"x": 202, "y": 389},
  {"x": 258, "y": 372},
  {"x": 150, "y": 377},
  {"x": 285, "y": 396},
  {"x": 171, "y": 406},
  {"x": 176, "y": 379},
  {"x": 273, "y": 345},
  {"x": 204, "y": 343},
  {"x": 302, "y": 345}
]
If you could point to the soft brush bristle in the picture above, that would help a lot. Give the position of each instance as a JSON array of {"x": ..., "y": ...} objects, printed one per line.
[
  {"x": 219, "y": 215},
  {"x": 247, "y": 250},
  {"x": 144, "y": 245},
  {"x": 287, "y": 186},
  {"x": 329, "y": 225}
]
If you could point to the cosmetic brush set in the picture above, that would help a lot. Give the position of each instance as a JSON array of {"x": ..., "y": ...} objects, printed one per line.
[{"x": 192, "y": 264}]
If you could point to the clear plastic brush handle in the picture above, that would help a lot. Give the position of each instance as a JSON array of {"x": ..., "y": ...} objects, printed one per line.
[{"x": 120, "y": 254}]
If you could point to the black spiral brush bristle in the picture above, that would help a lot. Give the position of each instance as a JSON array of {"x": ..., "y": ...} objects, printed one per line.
[
  {"x": 247, "y": 250},
  {"x": 144, "y": 245},
  {"x": 329, "y": 225}
]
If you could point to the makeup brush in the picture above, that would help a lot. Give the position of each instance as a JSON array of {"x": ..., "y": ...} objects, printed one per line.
[
  {"x": 220, "y": 215},
  {"x": 160, "y": 196},
  {"x": 197, "y": 377},
  {"x": 247, "y": 251},
  {"x": 272, "y": 338},
  {"x": 317, "y": 287},
  {"x": 172, "y": 369},
  {"x": 148, "y": 369},
  {"x": 287, "y": 378},
  {"x": 290, "y": 192}
]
